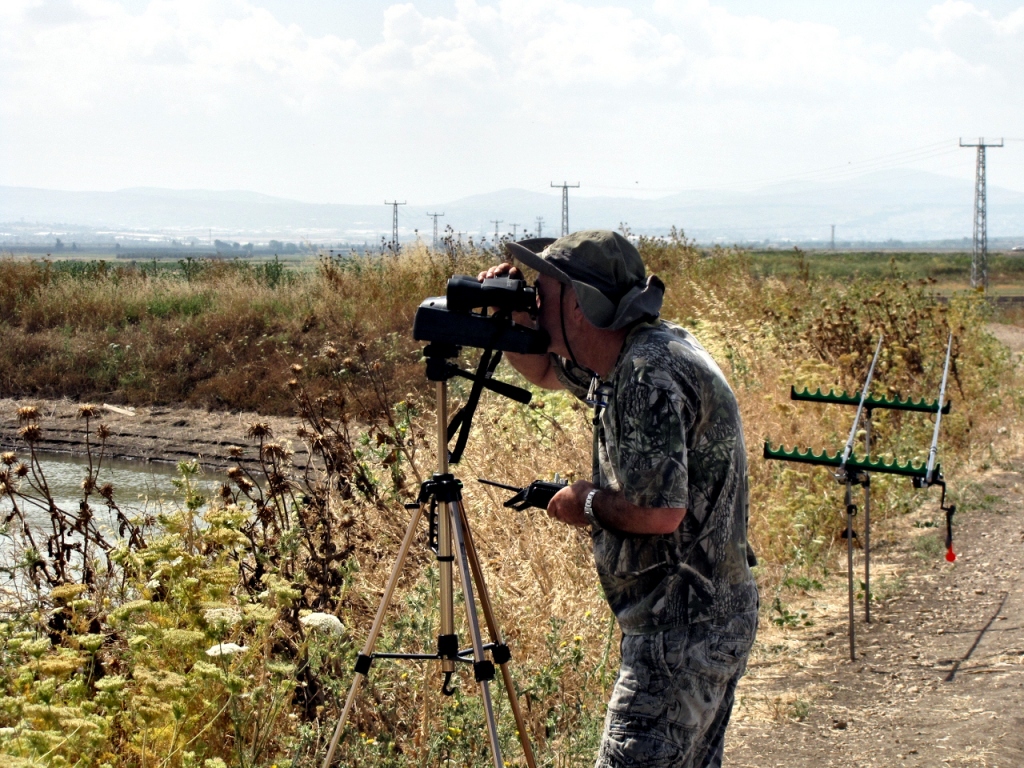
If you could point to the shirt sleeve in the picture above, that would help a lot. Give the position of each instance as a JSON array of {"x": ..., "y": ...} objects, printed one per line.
[{"x": 652, "y": 446}]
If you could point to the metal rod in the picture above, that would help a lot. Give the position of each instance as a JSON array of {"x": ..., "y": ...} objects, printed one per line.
[
  {"x": 444, "y": 529},
  {"x": 499, "y": 485},
  {"x": 938, "y": 414},
  {"x": 849, "y": 566},
  {"x": 860, "y": 407},
  {"x": 867, "y": 522}
]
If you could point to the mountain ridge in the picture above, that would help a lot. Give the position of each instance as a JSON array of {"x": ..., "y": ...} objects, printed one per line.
[{"x": 908, "y": 205}]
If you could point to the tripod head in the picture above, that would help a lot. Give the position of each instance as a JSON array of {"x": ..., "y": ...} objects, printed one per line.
[{"x": 475, "y": 313}]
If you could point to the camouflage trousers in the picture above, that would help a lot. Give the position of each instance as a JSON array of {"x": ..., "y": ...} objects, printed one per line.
[{"x": 674, "y": 695}]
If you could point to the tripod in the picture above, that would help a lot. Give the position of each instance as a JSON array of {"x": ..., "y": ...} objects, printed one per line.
[{"x": 447, "y": 525}]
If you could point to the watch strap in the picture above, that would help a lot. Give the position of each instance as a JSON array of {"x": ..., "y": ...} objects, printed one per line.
[{"x": 588, "y": 508}]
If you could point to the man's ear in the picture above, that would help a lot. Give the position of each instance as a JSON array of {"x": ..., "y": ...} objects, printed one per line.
[{"x": 578, "y": 316}]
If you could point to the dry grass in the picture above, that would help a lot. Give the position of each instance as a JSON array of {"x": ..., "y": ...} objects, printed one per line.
[{"x": 226, "y": 338}]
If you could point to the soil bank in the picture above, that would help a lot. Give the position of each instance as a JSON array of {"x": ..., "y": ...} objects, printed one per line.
[{"x": 158, "y": 433}]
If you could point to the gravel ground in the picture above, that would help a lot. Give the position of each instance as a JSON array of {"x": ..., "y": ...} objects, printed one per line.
[{"x": 939, "y": 675}]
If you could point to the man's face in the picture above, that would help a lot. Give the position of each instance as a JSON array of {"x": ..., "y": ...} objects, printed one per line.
[{"x": 549, "y": 317}]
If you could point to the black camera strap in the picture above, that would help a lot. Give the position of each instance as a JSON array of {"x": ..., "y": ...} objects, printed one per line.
[
  {"x": 463, "y": 419},
  {"x": 599, "y": 392}
]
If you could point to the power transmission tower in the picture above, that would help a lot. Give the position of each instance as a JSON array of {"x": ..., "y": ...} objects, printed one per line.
[
  {"x": 394, "y": 223},
  {"x": 565, "y": 203},
  {"x": 435, "y": 216},
  {"x": 496, "y": 222},
  {"x": 514, "y": 228},
  {"x": 540, "y": 226},
  {"x": 979, "y": 256}
]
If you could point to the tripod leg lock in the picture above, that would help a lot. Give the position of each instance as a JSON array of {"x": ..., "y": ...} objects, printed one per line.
[
  {"x": 501, "y": 654},
  {"x": 448, "y": 647},
  {"x": 483, "y": 670},
  {"x": 363, "y": 663}
]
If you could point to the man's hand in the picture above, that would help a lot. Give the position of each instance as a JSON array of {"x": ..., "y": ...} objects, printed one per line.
[
  {"x": 505, "y": 269},
  {"x": 614, "y": 511},
  {"x": 537, "y": 369},
  {"x": 567, "y": 504}
]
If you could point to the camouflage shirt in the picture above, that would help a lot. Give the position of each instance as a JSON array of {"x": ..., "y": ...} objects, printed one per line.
[{"x": 671, "y": 436}]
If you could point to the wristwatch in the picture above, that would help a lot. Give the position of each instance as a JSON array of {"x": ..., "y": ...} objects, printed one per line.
[{"x": 588, "y": 508}]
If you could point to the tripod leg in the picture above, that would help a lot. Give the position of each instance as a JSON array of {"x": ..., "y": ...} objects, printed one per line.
[
  {"x": 371, "y": 641},
  {"x": 483, "y": 669},
  {"x": 496, "y": 638}
]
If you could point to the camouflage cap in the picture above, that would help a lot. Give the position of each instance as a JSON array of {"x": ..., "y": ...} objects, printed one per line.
[{"x": 606, "y": 271}]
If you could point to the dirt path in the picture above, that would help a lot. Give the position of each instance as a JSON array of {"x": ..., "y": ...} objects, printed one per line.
[
  {"x": 149, "y": 434},
  {"x": 939, "y": 676},
  {"x": 1009, "y": 335}
]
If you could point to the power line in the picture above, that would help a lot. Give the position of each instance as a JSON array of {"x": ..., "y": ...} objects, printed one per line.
[
  {"x": 845, "y": 171},
  {"x": 394, "y": 223},
  {"x": 565, "y": 203},
  {"x": 435, "y": 216},
  {"x": 979, "y": 256}
]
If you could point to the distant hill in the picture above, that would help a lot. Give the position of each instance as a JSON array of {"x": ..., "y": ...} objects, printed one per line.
[{"x": 903, "y": 205}]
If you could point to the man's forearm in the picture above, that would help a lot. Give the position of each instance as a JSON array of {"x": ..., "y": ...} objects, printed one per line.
[
  {"x": 614, "y": 510},
  {"x": 537, "y": 369}
]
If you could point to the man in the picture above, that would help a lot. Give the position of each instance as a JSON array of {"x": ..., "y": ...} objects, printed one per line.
[{"x": 667, "y": 506}]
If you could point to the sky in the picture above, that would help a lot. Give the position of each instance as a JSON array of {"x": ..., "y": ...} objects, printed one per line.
[{"x": 338, "y": 101}]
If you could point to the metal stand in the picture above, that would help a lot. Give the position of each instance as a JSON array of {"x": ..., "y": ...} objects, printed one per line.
[
  {"x": 851, "y": 510},
  {"x": 447, "y": 522},
  {"x": 850, "y": 471},
  {"x": 867, "y": 520}
]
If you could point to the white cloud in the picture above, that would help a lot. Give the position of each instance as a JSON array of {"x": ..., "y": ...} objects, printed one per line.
[
  {"x": 994, "y": 46},
  {"x": 198, "y": 53},
  {"x": 491, "y": 90}
]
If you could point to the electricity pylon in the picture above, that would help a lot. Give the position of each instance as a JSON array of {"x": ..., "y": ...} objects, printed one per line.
[
  {"x": 435, "y": 216},
  {"x": 394, "y": 223},
  {"x": 979, "y": 255},
  {"x": 565, "y": 203}
]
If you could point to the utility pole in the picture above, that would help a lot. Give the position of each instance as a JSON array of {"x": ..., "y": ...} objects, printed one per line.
[
  {"x": 435, "y": 216},
  {"x": 394, "y": 223},
  {"x": 496, "y": 222},
  {"x": 514, "y": 228},
  {"x": 833, "y": 237},
  {"x": 540, "y": 226},
  {"x": 565, "y": 203},
  {"x": 979, "y": 256}
]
